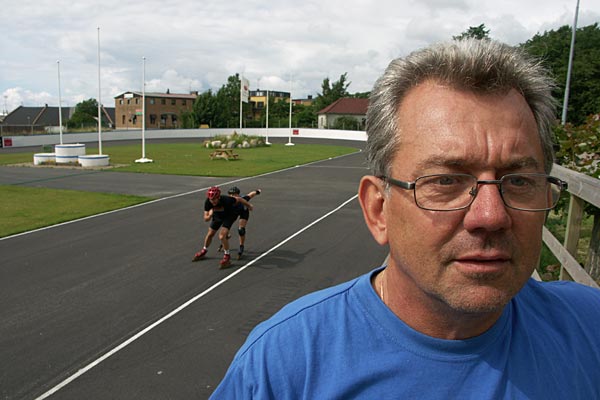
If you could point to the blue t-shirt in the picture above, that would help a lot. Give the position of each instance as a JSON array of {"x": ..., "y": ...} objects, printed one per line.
[{"x": 344, "y": 343}]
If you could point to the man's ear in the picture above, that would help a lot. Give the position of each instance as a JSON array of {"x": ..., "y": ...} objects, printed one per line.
[{"x": 372, "y": 198}]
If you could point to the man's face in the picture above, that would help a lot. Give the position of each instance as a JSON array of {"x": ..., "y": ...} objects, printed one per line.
[
  {"x": 473, "y": 260},
  {"x": 214, "y": 200}
]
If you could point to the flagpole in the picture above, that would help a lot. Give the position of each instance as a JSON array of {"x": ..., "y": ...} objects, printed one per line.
[
  {"x": 144, "y": 107},
  {"x": 289, "y": 143},
  {"x": 143, "y": 159},
  {"x": 99, "y": 101},
  {"x": 267, "y": 122},
  {"x": 60, "y": 128},
  {"x": 241, "y": 89}
]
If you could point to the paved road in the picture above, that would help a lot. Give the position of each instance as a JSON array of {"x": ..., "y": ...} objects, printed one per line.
[{"x": 112, "y": 308}]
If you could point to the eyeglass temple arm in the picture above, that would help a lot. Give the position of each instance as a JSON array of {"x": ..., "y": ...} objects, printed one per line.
[
  {"x": 396, "y": 182},
  {"x": 562, "y": 184}
]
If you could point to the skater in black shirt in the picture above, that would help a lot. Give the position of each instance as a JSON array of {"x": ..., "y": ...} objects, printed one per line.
[
  {"x": 220, "y": 211},
  {"x": 244, "y": 214}
]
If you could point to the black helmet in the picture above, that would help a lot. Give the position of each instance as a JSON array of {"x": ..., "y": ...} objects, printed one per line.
[{"x": 234, "y": 190}]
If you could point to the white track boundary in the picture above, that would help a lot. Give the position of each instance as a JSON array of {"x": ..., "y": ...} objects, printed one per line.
[{"x": 184, "y": 306}]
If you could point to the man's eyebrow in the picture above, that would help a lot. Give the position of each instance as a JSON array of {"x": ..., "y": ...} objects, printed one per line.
[{"x": 462, "y": 163}]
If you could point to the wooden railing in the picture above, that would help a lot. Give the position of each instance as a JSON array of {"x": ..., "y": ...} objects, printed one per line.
[{"x": 582, "y": 189}]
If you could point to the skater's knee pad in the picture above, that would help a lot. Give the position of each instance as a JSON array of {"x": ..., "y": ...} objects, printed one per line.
[{"x": 242, "y": 231}]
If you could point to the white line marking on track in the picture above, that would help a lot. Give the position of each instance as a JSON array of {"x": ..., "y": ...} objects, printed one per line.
[{"x": 184, "y": 305}]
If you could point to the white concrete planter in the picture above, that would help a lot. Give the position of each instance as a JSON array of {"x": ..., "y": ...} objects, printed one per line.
[
  {"x": 69, "y": 153},
  {"x": 40, "y": 158},
  {"x": 94, "y": 160}
]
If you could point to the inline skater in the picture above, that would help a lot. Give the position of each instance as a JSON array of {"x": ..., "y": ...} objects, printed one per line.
[{"x": 220, "y": 211}]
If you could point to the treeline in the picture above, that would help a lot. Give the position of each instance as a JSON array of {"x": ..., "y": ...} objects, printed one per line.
[{"x": 221, "y": 109}]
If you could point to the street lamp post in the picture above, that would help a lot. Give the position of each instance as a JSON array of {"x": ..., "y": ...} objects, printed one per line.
[
  {"x": 267, "y": 120},
  {"x": 289, "y": 143},
  {"x": 143, "y": 159},
  {"x": 60, "y": 127},
  {"x": 563, "y": 119}
]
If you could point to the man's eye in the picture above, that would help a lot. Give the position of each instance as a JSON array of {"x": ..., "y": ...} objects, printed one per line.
[
  {"x": 519, "y": 181},
  {"x": 447, "y": 180}
]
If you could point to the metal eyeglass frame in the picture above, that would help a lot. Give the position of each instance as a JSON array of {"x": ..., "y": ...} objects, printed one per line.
[{"x": 562, "y": 186}]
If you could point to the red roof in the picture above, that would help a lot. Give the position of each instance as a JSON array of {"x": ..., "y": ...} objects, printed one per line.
[{"x": 347, "y": 106}]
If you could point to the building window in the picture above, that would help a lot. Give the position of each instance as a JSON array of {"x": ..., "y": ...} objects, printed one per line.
[
  {"x": 152, "y": 119},
  {"x": 128, "y": 101},
  {"x": 123, "y": 120},
  {"x": 152, "y": 102},
  {"x": 183, "y": 102},
  {"x": 173, "y": 102},
  {"x": 134, "y": 119},
  {"x": 174, "y": 119},
  {"x": 120, "y": 101},
  {"x": 163, "y": 101},
  {"x": 137, "y": 100}
]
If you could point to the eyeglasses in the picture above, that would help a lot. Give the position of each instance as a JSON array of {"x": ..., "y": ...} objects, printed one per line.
[{"x": 449, "y": 192}]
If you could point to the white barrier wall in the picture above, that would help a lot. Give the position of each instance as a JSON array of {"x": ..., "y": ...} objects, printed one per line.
[{"x": 40, "y": 140}]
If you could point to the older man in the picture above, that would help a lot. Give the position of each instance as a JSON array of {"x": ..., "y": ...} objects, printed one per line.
[{"x": 459, "y": 144}]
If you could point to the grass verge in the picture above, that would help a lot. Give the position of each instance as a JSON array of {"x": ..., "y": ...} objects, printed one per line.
[{"x": 24, "y": 208}]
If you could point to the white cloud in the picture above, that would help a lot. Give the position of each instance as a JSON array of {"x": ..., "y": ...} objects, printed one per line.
[{"x": 197, "y": 45}]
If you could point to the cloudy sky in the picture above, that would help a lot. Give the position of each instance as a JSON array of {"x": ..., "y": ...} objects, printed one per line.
[{"x": 196, "y": 45}]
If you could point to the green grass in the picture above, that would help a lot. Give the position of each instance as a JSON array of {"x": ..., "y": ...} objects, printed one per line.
[
  {"x": 25, "y": 208},
  {"x": 16, "y": 158},
  {"x": 193, "y": 159}
]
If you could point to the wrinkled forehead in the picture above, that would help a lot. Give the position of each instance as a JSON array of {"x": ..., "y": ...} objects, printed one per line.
[{"x": 465, "y": 127}]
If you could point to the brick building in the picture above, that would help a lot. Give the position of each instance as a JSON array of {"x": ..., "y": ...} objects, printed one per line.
[{"x": 163, "y": 110}]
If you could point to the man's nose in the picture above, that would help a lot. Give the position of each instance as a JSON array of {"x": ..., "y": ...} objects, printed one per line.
[{"x": 488, "y": 210}]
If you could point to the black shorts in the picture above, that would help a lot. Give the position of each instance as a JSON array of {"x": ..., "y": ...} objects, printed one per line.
[
  {"x": 225, "y": 222},
  {"x": 245, "y": 214}
]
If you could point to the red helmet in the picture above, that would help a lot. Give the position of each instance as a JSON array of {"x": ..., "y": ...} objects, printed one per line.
[{"x": 213, "y": 192}]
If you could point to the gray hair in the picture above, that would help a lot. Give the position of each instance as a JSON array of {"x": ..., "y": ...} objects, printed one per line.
[{"x": 482, "y": 66}]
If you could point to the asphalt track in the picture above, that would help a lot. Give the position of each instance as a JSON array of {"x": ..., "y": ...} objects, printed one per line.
[{"x": 111, "y": 307}]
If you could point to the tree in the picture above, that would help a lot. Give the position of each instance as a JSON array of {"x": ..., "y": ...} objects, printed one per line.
[
  {"x": 476, "y": 32},
  {"x": 361, "y": 95},
  {"x": 306, "y": 117},
  {"x": 204, "y": 109},
  {"x": 553, "y": 48},
  {"x": 332, "y": 92},
  {"x": 279, "y": 113},
  {"x": 85, "y": 114},
  {"x": 348, "y": 124},
  {"x": 221, "y": 109},
  {"x": 188, "y": 120},
  {"x": 228, "y": 102}
]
